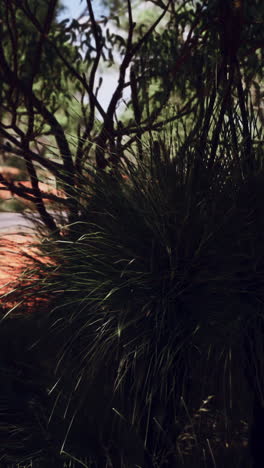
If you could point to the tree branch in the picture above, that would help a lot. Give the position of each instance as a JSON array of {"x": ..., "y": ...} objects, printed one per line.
[
  {"x": 55, "y": 168},
  {"x": 29, "y": 193},
  {"x": 43, "y": 35},
  {"x": 153, "y": 127},
  {"x": 57, "y": 129},
  {"x": 108, "y": 127},
  {"x": 99, "y": 45}
]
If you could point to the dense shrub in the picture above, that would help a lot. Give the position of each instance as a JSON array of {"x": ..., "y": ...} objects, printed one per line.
[{"x": 150, "y": 292}]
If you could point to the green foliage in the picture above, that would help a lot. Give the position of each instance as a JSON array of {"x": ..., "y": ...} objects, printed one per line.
[
  {"x": 51, "y": 76},
  {"x": 12, "y": 205},
  {"x": 35, "y": 60},
  {"x": 156, "y": 277},
  {"x": 190, "y": 66}
]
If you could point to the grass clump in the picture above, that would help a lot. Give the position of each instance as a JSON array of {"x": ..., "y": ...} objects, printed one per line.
[{"x": 150, "y": 293}]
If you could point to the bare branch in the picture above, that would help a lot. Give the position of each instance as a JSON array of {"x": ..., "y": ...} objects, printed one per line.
[
  {"x": 91, "y": 93},
  {"x": 98, "y": 43},
  {"x": 28, "y": 193},
  {"x": 45, "y": 216},
  {"x": 43, "y": 35},
  {"x": 12, "y": 30},
  {"x": 108, "y": 127},
  {"x": 52, "y": 166},
  {"x": 152, "y": 127},
  {"x": 150, "y": 30},
  {"x": 80, "y": 78},
  {"x": 42, "y": 109}
]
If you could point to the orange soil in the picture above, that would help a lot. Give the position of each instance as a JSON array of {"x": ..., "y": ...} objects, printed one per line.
[
  {"x": 45, "y": 189},
  {"x": 13, "y": 262}
]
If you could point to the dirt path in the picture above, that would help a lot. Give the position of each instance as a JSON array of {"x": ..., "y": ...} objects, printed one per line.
[{"x": 12, "y": 260}]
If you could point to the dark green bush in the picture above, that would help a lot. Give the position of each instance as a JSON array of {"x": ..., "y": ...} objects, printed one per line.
[
  {"x": 149, "y": 285},
  {"x": 145, "y": 298}
]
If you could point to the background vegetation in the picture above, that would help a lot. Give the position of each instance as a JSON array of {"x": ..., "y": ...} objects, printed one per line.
[{"x": 144, "y": 341}]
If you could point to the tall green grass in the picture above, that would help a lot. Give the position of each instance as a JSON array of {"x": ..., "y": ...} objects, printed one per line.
[{"x": 147, "y": 296}]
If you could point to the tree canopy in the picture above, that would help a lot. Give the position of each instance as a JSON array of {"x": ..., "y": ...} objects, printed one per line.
[
  {"x": 197, "y": 63},
  {"x": 153, "y": 280}
]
